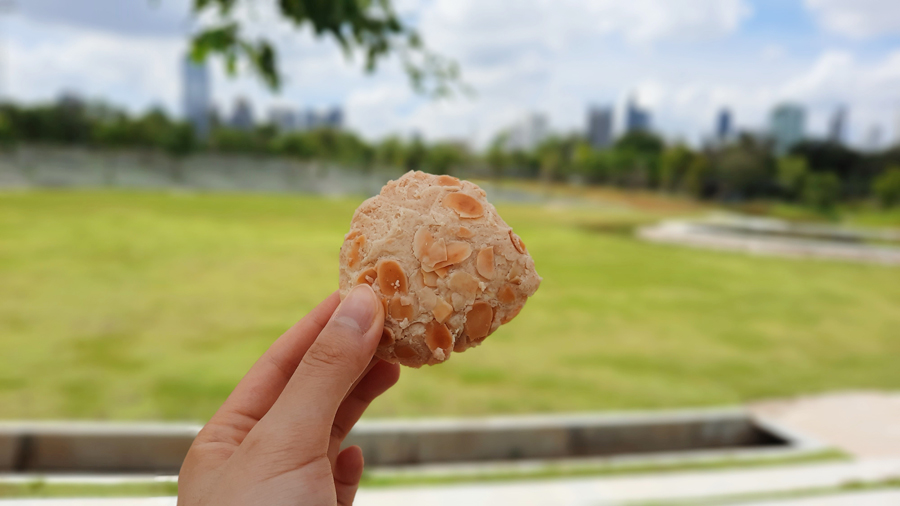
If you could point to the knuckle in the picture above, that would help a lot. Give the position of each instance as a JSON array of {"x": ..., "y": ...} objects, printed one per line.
[
  {"x": 325, "y": 355},
  {"x": 339, "y": 431}
]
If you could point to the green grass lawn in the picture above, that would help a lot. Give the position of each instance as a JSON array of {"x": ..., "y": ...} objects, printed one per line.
[{"x": 117, "y": 305}]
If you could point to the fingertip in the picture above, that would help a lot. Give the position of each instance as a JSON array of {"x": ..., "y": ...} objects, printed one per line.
[{"x": 348, "y": 467}]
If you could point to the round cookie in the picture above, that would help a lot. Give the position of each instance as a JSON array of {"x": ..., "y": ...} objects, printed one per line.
[{"x": 447, "y": 268}]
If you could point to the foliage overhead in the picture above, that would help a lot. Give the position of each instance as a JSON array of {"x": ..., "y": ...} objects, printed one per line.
[{"x": 368, "y": 27}]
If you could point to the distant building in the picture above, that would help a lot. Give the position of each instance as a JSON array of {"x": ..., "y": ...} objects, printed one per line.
[
  {"x": 526, "y": 135},
  {"x": 333, "y": 118},
  {"x": 196, "y": 96},
  {"x": 283, "y": 118},
  {"x": 787, "y": 126},
  {"x": 600, "y": 127},
  {"x": 837, "y": 124},
  {"x": 873, "y": 138},
  {"x": 636, "y": 119},
  {"x": 897, "y": 129},
  {"x": 242, "y": 115},
  {"x": 723, "y": 125}
]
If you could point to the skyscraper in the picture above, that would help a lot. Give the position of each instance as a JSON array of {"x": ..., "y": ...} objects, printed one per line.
[
  {"x": 787, "y": 126},
  {"x": 723, "y": 125},
  {"x": 600, "y": 127},
  {"x": 333, "y": 118},
  {"x": 528, "y": 133},
  {"x": 196, "y": 98},
  {"x": 284, "y": 118},
  {"x": 242, "y": 115},
  {"x": 837, "y": 124},
  {"x": 636, "y": 119}
]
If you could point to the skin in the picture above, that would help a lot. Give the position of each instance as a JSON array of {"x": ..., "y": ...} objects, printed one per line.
[{"x": 276, "y": 440}]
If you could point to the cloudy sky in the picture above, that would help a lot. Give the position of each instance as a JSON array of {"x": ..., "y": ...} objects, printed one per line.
[{"x": 684, "y": 59}]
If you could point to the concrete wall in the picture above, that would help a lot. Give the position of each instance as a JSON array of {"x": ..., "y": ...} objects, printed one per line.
[
  {"x": 67, "y": 167},
  {"x": 160, "y": 448}
]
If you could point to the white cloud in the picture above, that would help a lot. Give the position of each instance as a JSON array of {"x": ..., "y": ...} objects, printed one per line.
[
  {"x": 141, "y": 71},
  {"x": 551, "y": 56},
  {"x": 857, "y": 18}
]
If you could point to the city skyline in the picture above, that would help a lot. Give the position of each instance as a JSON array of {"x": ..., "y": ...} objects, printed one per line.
[{"x": 747, "y": 55}]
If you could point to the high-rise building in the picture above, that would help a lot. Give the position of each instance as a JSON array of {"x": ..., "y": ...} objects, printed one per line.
[
  {"x": 196, "y": 96},
  {"x": 723, "y": 125},
  {"x": 242, "y": 115},
  {"x": 787, "y": 126},
  {"x": 837, "y": 124},
  {"x": 528, "y": 133},
  {"x": 636, "y": 119},
  {"x": 897, "y": 129},
  {"x": 600, "y": 127},
  {"x": 873, "y": 138},
  {"x": 283, "y": 118},
  {"x": 333, "y": 118}
]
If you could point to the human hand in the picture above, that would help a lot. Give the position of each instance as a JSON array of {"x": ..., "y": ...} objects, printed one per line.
[{"x": 276, "y": 439}]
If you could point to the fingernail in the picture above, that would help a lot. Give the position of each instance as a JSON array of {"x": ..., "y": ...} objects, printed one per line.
[{"x": 358, "y": 309}]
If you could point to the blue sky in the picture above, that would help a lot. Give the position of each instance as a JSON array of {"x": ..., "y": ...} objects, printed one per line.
[{"x": 684, "y": 59}]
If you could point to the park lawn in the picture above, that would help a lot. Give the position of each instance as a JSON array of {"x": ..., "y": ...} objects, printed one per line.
[{"x": 127, "y": 306}]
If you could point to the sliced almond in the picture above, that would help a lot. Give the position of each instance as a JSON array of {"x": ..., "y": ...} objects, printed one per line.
[
  {"x": 464, "y": 205},
  {"x": 447, "y": 181},
  {"x": 355, "y": 254},
  {"x": 384, "y": 303},
  {"x": 438, "y": 336},
  {"x": 387, "y": 337},
  {"x": 478, "y": 320},
  {"x": 506, "y": 295},
  {"x": 442, "y": 272},
  {"x": 515, "y": 273},
  {"x": 442, "y": 310},
  {"x": 517, "y": 242},
  {"x": 405, "y": 351},
  {"x": 428, "y": 250},
  {"x": 399, "y": 310},
  {"x": 367, "y": 276},
  {"x": 391, "y": 278},
  {"x": 484, "y": 263},
  {"x": 464, "y": 233},
  {"x": 511, "y": 314},
  {"x": 427, "y": 298},
  {"x": 457, "y": 251},
  {"x": 464, "y": 284},
  {"x": 429, "y": 279},
  {"x": 351, "y": 235}
]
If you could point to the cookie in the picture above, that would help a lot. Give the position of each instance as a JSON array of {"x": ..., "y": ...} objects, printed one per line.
[{"x": 447, "y": 268}]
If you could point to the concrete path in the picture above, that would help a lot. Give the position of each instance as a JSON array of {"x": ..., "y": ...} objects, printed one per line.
[
  {"x": 871, "y": 498},
  {"x": 598, "y": 491},
  {"x": 864, "y": 424},
  {"x": 695, "y": 235}
]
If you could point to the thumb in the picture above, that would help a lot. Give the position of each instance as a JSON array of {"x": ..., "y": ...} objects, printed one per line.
[{"x": 327, "y": 371}]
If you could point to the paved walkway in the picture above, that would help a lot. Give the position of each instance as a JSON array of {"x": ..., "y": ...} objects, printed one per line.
[
  {"x": 599, "y": 491},
  {"x": 864, "y": 424},
  {"x": 695, "y": 235}
]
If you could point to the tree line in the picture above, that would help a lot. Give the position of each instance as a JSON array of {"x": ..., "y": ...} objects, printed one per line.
[{"x": 816, "y": 173}]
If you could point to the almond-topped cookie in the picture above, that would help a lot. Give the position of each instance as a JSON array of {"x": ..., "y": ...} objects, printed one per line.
[{"x": 448, "y": 269}]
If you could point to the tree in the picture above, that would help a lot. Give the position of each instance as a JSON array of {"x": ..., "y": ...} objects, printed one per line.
[
  {"x": 368, "y": 27},
  {"x": 887, "y": 187},
  {"x": 696, "y": 180},
  {"x": 497, "y": 158},
  {"x": 444, "y": 157},
  {"x": 674, "y": 165},
  {"x": 744, "y": 169},
  {"x": 792, "y": 173},
  {"x": 821, "y": 191}
]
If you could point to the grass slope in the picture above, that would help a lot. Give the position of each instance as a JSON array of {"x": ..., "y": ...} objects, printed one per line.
[{"x": 117, "y": 305}]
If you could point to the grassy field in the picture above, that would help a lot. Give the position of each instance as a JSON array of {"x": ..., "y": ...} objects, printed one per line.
[{"x": 152, "y": 306}]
